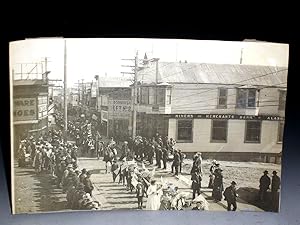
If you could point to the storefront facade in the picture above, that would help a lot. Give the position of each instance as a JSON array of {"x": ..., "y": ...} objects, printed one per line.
[
  {"x": 30, "y": 109},
  {"x": 234, "y": 137}
]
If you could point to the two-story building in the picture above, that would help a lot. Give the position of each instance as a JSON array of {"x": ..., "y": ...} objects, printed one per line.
[
  {"x": 30, "y": 105},
  {"x": 116, "y": 108},
  {"x": 225, "y": 111}
]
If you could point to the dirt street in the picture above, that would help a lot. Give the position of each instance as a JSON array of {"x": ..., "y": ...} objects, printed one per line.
[{"x": 38, "y": 192}]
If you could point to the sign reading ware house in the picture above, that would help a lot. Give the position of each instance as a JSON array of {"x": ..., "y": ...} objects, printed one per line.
[{"x": 24, "y": 109}]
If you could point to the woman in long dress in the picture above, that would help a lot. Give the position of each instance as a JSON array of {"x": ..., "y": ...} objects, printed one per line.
[{"x": 154, "y": 193}]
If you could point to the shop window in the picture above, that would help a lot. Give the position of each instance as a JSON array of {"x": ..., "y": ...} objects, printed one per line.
[
  {"x": 222, "y": 99},
  {"x": 246, "y": 98},
  {"x": 253, "y": 131},
  {"x": 219, "y": 131},
  {"x": 282, "y": 99},
  {"x": 184, "y": 130},
  {"x": 280, "y": 131}
]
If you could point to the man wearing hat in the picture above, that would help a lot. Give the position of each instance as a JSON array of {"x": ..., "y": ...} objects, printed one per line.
[
  {"x": 66, "y": 172},
  {"x": 264, "y": 185},
  {"x": 165, "y": 157},
  {"x": 140, "y": 193},
  {"x": 217, "y": 185},
  {"x": 230, "y": 196},
  {"x": 274, "y": 191},
  {"x": 176, "y": 162},
  {"x": 88, "y": 186},
  {"x": 114, "y": 168},
  {"x": 196, "y": 182},
  {"x": 159, "y": 154}
]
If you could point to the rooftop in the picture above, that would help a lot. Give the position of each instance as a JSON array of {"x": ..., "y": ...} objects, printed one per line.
[{"x": 183, "y": 72}]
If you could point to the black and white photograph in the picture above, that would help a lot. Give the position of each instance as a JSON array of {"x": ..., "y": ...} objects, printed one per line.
[{"x": 147, "y": 124}]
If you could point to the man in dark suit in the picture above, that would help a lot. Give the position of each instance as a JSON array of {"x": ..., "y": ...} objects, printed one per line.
[
  {"x": 159, "y": 156},
  {"x": 176, "y": 162},
  {"x": 165, "y": 157},
  {"x": 88, "y": 186},
  {"x": 274, "y": 191},
  {"x": 264, "y": 185},
  {"x": 181, "y": 156},
  {"x": 196, "y": 182},
  {"x": 140, "y": 193},
  {"x": 230, "y": 196}
]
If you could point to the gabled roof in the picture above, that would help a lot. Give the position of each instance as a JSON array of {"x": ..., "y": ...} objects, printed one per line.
[{"x": 176, "y": 72}]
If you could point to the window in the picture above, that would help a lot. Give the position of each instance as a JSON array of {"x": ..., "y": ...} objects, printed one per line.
[
  {"x": 151, "y": 96},
  {"x": 253, "y": 131},
  {"x": 280, "y": 131},
  {"x": 168, "y": 96},
  {"x": 185, "y": 130},
  {"x": 222, "y": 100},
  {"x": 219, "y": 131},
  {"x": 160, "y": 96},
  {"x": 282, "y": 99},
  {"x": 246, "y": 98},
  {"x": 144, "y": 95}
]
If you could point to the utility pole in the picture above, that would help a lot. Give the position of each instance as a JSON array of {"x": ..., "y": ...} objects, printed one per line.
[
  {"x": 82, "y": 93},
  {"x": 65, "y": 93},
  {"x": 156, "y": 79},
  {"x": 78, "y": 93},
  {"x": 46, "y": 64},
  {"x": 241, "y": 57},
  {"x": 135, "y": 89},
  {"x": 47, "y": 80},
  {"x": 136, "y": 61},
  {"x": 97, "y": 92},
  {"x": 133, "y": 97}
]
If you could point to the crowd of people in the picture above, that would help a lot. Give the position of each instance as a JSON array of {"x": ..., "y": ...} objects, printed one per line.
[
  {"x": 230, "y": 193},
  {"x": 160, "y": 195},
  {"x": 50, "y": 153}
]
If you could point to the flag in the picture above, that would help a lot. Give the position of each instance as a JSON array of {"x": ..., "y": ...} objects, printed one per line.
[
  {"x": 152, "y": 173},
  {"x": 134, "y": 182},
  {"x": 161, "y": 180},
  {"x": 143, "y": 166},
  {"x": 116, "y": 171}
]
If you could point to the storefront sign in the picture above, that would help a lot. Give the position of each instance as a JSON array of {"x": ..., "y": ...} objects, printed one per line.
[
  {"x": 225, "y": 116},
  {"x": 24, "y": 109},
  {"x": 42, "y": 106},
  {"x": 119, "y": 109}
]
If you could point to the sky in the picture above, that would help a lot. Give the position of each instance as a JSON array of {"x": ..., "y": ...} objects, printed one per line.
[{"x": 102, "y": 56}]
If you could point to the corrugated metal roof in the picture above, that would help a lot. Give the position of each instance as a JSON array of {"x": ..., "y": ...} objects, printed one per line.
[{"x": 175, "y": 72}]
